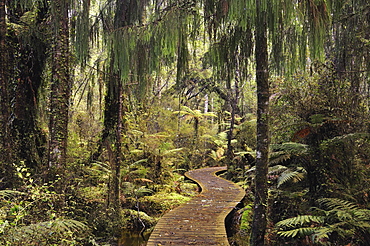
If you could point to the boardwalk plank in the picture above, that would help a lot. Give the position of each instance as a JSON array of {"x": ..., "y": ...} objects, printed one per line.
[{"x": 201, "y": 221}]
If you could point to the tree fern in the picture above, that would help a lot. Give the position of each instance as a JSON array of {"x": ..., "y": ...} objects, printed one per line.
[
  {"x": 346, "y": 211},
  {"x": 290, "y": 175},
  {"x": 336, "y": 203},
  {"x": 285, "y": 151},
  {"x": 278, "y": 157},
  {"x": 277, "y": 169},
  {"x": 10, "y": 193},
  {"x": 299, "y": 221},
  {"x": 303, "y": 231},
  {"x": 341, "y": 218},
  {"x": 290, "y": 147},
  {"x": 47, "y": 232}
]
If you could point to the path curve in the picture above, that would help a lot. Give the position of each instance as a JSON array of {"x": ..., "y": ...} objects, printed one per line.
[{"x": 201, "y": 221}]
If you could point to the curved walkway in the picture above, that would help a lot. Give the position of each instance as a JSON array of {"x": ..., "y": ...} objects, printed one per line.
[{"x": 201, "y": 221}]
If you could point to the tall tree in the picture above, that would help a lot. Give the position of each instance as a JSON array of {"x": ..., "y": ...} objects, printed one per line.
[
  {"x": 60, "y": 84},
  {"x": 29, "y": 51},
  {"x": 139, "y": 43},
  {"x": 350, "y": 48},
  {"x": 263, "y": 139},
  {"x": 126, "y": 13},
  {"x": 5, "y": 144}
]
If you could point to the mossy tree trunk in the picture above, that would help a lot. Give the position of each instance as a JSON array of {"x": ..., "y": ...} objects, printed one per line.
[
  {"x": 60, "y": 85},
  {"x": 29, "y": 57},
  {"x": 262, "y": 75},
  {"x": 5, "y": 143},
  {"x": 113, "y": 125},
  {"x": 113, "y": 140}
]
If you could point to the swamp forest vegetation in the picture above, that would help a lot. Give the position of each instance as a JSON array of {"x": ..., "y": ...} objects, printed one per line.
[{"x": 106, "y": 103}]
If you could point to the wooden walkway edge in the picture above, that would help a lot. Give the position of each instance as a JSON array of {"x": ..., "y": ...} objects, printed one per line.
[{"x": 201, "y": 221}]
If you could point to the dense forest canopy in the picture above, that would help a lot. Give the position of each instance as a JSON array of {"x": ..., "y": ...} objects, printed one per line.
[{"x": 105, "y": 104}]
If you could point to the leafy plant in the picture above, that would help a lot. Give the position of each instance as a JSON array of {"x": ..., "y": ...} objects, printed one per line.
[
  {"x": 58, "y": 231},
  {"x": 338, "y": 221},
  {"x": 291, "y": 175}
]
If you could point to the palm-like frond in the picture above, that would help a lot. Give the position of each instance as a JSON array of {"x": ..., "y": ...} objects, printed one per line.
[
  {"x": 10, "y": 193},
  {"x": 290, "y": 147},
  {"x": 290, "y": 175},
  {"x": 346, "y": 211},
  {"x": 345, "y": 138},
  {"x": 101, "y": 166},
  {"x": 277, "y": 169},
  {"x": 300, "y": 221},
  {"x": 302, "y": 231},
  {"x": 278, "y": 157},
  {"x": 342, "y": 218},
  {"x": 285, "y": 151},
  {"x": 47, "y": 231},
  {"x": 336, "y": 203}
]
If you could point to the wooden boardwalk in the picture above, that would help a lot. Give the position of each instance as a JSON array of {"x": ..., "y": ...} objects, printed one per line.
[{"x": 201, "y": 221}]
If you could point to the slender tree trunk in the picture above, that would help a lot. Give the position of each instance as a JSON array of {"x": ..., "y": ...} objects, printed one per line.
[
  {"x": 5, "y": 143},
  {"x": 30, "y": 57},
  {"x": 233, "y": 101},
  {"x": 113, "y": 125},
  {"x": 4, "y": 115},
  {"x": 116, "y": 165},
  {"x": 60, "y": 85},
  {"x": 262, "y": 75}
]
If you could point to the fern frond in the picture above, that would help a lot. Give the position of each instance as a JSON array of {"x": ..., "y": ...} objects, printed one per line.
[
  {"x": 303, "y": 231},
  {"x": 138, "y": 163},
  {"x": 347, "y": 212},
  {"x": 336, "y": 203},
  {"x": 143, "y": 191},
  {"x": 10, "y": 193},
  {"x": 300, "y": 220},
  {"x": 291, "y": 148},
  {"x": 322, "y": 233},
  {"x": 278, "y": 157},
  {"x": 56, "y": 229},
  {"x": 101, "y": 166},
  {"x": 277, "y": 169},
  {"x": 294, "y": 176},
  {"x": 344, "y": 138}
]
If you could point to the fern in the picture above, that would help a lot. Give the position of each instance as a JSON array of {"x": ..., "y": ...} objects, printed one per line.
[
  {"x": 101, "y": 166},
  {"x": 303, "y": 231},
  {"x": 278, "y": 157},
  {"x": 346, "y": 211},
  {"x": 300, "y": 220},
  {"x": 341, "y": 218},
  {"x": 294, "y": 176},
  {"x": 46, "y": 232},
  {"x": 291, "y": 148},
  {"x": 277, "y": 169},
  {"x": 7, "y": 194},
  {"x": 285, "y": 151},
  {"x": 336, "y": 203},
  {"x": 344, "y": 138}
]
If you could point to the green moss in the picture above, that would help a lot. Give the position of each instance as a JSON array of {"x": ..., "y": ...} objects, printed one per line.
[
  {"x": 161, "y": 202},
  {"x": 137, "y": 220},
  {"x": 93, "y": 193},
  {"x": 189, "y": 189},
  {"x": 246, "y": 218}
]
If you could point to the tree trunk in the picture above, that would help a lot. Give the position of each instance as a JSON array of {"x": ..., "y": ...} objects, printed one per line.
[
  {"x": 4, "y": 98},
  {"x": 262, "y": 75},
  {"x": 113, "y": 114},
  {"x": 29, "y": 62},
  {"x": 116, "y": 164},
  {"x": 5, "y": 143},
  {"x": 60, "y": 86}
]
